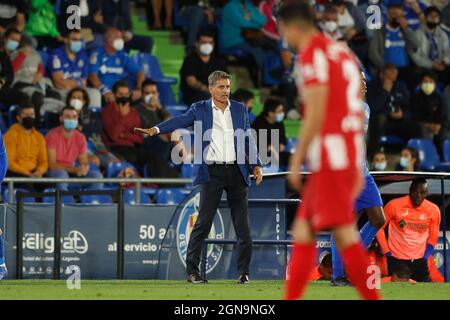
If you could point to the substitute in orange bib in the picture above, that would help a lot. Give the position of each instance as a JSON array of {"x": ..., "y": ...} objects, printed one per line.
[{"x": 413, "y": 231}]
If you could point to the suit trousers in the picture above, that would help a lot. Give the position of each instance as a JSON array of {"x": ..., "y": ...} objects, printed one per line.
[{"x": 229, "y": 178}]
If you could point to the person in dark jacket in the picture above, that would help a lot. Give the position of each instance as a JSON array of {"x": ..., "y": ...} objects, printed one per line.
[
  {"x": 389, "y": 101},
  {"x": 427, "y": 106}
]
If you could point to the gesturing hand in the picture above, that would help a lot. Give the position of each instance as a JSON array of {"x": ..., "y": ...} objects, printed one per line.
[
  {"x": 257, "y": 174},
  {"x": 150, "y": 132}
]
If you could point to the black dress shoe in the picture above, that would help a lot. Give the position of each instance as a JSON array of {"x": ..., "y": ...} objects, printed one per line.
[
  {"x": 243, "y": 279},
  {"x": 340, "y": 282},
  {"x": 196, "y": 278}
]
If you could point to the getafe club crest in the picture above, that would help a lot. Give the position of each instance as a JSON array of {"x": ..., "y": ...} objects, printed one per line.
[{"x": 186, "y": 222}]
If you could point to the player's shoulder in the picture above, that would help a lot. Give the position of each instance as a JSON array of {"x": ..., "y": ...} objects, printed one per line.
[{"x": 431, "y": 207}]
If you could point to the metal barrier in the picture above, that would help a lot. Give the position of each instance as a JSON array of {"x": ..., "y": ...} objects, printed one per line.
[
  {"x": 138, "y": 181},
  {"x": 58, "y": 194}
]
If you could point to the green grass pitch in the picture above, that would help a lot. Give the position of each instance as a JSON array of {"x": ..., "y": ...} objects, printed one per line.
[{"x": 216, "y": 290}]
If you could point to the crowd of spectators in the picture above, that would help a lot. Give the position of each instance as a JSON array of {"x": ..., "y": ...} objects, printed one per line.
[{"x": 89, "y": 95}]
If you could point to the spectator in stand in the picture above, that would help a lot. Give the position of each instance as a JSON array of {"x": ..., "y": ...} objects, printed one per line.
[
  {"x": 12, "y": 14},
  {"x": 413, "y": 231},
  {"x": 90, "y": 125},
  {"x": 69, "y": 66},
  {"x": 119, "y": 119},
  {"x": 269, "y": 122},
  {"x": 42, "y": 24},
  {"x": 389, "y": 101},
  {"x": 157, "y": 7},
  {"x": 197, "y": 12},
  {"x": 330, "y": 23},
  {"x": 196, "y": 68},
  {"x": 270, "y": 29},
  {"x": 240, "y": 16},
  {"x": 378, "y": 161},
  {"x": 151, "y": 113},
  {"x": 409, "y": 161},
  {"x": 110, "y": 64},
  {"x": 427, "y": 107},
  {"x": 445, "y": 19},
  {"x": 434, "y": 50},
  {"x": 246, "y": 97},
  {"x": 91, "y": 20},
  {"x": 26, "y": 148},
  {"x": 8, "y": 95},
  {"x": 351, "y": 25},
  {"x": 29, "y": 76},
  {"x": 67, "y": 151},
  {"x": 391, "y": 44},
  {"x": 414, "y": 12},
  {"x": 117, "y": 14}
]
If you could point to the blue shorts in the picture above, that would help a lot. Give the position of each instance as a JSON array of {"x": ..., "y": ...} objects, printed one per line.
[{"x": 370, "y": 197}]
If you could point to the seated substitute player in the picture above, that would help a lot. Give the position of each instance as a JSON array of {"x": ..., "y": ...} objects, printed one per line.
[
  {"x": 332, "y": 142},
  {"x": 413, "y": 231},
  {"x": 3, "y": 168},
  {"x": 369, "y": 201}
]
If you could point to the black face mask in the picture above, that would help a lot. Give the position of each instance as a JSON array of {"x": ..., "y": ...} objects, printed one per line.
[
  {"x": 28, "y": 122},
  {"x": 121, "y": 101},
  {"x": 394, "y": 23},
  {"x": 432, "y": 25}
]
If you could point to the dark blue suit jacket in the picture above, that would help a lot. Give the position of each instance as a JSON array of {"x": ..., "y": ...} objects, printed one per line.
[{"x": 202, "y": 111}]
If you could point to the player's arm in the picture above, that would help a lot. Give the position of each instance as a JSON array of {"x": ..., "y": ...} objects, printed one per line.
[
  {"x": 389, "y": 210},
  {"x": 315, "y": 99},
  {"x": 433, "y": 232}
]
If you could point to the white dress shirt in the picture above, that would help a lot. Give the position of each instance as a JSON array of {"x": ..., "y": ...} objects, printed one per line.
[{"x": 221, "y": 148}]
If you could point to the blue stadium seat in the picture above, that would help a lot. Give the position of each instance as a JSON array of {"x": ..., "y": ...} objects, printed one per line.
[
  {"x": 130, "y": 197},
  {"x": 169, "y": 196},
  {"x": 64, "y": 199},
  {"x": 291, "y": 143},
  {"x": 45, "y": 57},
  {"x": 428, "y": 155},
  {"x": 446, "y": 150},
  {"x": 5, "y": 196},
  {"x": 391, "y": 140},
  {"x": 96, "y": 199},
  {"x": 114, "y": 168},
  {"x": 187, "y": 170},
  {"x": 152, "y": 69},
  {"x": 176, "y": 110}
]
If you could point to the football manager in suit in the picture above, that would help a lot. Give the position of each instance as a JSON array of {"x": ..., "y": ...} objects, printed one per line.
[{"x": 226, "y": 162}]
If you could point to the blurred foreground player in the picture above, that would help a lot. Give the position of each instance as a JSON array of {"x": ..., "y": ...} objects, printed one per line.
[
  {"x": 3, "y": 169},
  {"x": 332, "y": 139},
  {"x": 369, "y": 201}
]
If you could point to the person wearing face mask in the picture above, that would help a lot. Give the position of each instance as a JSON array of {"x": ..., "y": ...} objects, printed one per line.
[
  {"x": 196, "y": 68},
  {"x": 378, "y": 161},
  {"x": 69, "y": 65},
  {"x": 271, "y": 119},
  {"x": 329, "y": 23},
  {"x": 67, "y": 151},
  {"x": 110, "y": 64},
  {"x": 26, "y": 148},
  {"x": 8, "y": 94},
  {"x": 392, "y": 43},
  {"x": 119, "y": 119},
  {"x": 427, "y": 106},
  {"x": 434, "y": 50},
  {"x": 409, "y": 160}
]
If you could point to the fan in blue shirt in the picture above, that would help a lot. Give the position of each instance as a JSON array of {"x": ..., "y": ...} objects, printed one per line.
[
  {"x": 69, "y": 63},
  {"x": 110, "y": 64}
]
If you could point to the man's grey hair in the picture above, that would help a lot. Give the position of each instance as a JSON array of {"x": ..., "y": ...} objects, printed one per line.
[{"x": 216, "y": 76}]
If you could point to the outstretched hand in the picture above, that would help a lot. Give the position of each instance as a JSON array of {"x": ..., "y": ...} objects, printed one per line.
[{"x": 150, "y": 132}]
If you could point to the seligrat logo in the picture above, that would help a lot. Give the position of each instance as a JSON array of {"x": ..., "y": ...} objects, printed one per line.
[{"x": 186, "y": 221}]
